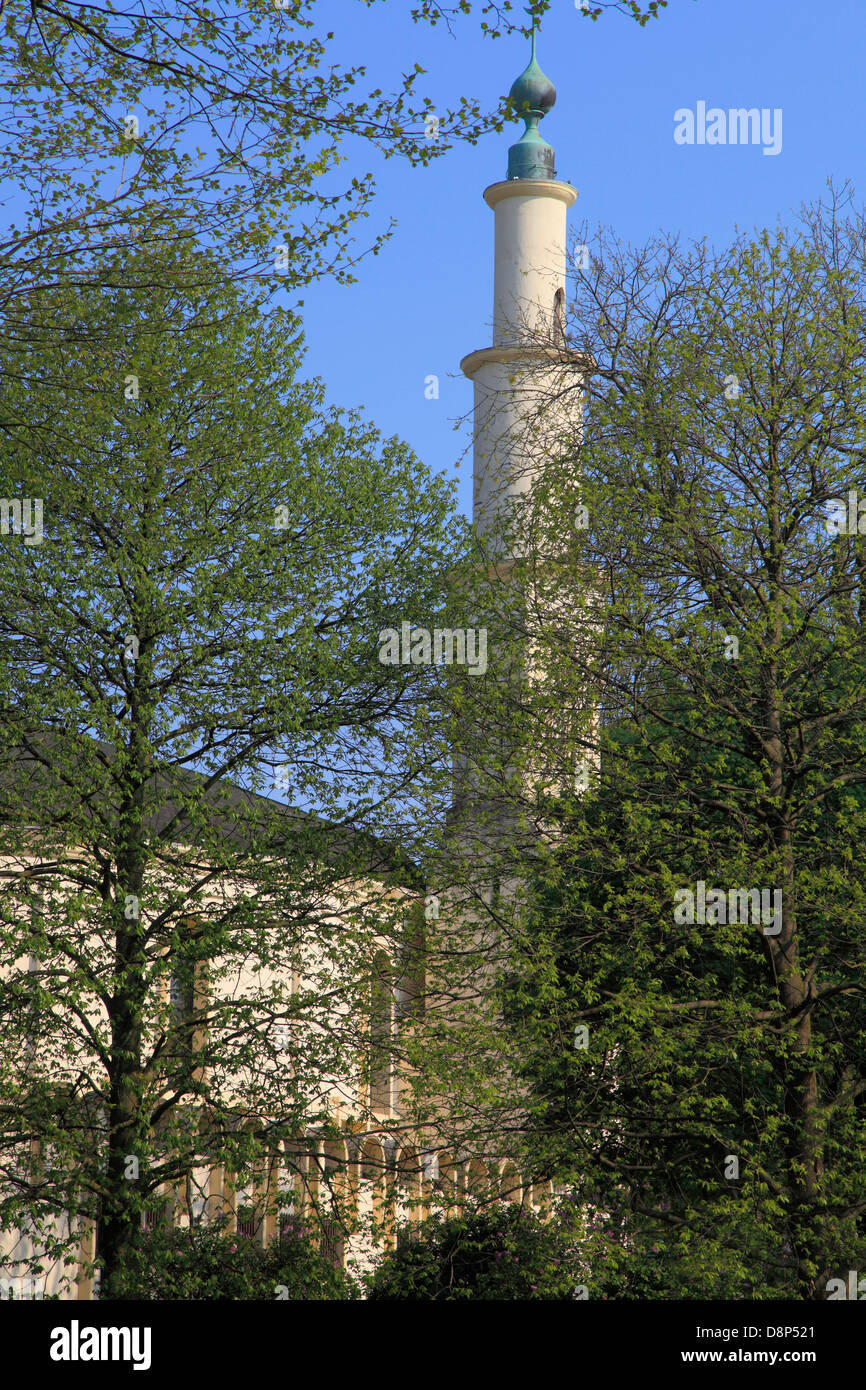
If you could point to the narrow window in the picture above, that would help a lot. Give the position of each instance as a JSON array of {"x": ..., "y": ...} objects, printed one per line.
[
  {"x": 381, "y": 1020},
  {"x": 559, "y": 318}
]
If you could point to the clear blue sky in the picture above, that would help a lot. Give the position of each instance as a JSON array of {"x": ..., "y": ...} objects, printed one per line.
[{"x": 426, "y": 300}]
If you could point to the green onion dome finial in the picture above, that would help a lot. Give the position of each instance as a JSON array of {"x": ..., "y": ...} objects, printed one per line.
[{"x": 532, "y": 95}]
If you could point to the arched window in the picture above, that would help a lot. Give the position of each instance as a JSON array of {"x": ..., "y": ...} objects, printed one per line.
[
  {"x": 477, "y": 1178},
  {"x": 409, "y": 979},
  {"x": 510, "y": 1186},
  {"x": 542, "y": 1196},
  {"x": 331, "y": 1241},
  {"x": 155, "y": 1213},
  {"x": 372, "y": 1161},
  {"x": 408, "y": 1172}
]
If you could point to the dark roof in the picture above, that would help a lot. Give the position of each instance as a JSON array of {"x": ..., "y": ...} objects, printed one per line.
[{"x": 34, "y": 788}]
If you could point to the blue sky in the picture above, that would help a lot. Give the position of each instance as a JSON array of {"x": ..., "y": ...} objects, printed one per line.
[{"x": 426, "y": 299}]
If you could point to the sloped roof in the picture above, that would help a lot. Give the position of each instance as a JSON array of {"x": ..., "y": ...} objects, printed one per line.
[{"x": 32, "y": 779}]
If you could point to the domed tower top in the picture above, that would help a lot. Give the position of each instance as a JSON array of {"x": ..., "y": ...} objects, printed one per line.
[{"x": 533, "y": 94}]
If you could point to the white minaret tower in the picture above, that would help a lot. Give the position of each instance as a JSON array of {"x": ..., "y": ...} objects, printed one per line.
[
  {"x": 528, "y": 395},
  {"x": 522, "y": 414},
  {"x": 528, "y": 389}
]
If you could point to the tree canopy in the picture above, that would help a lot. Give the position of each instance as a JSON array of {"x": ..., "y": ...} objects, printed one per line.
[{"x": 204, "y": 766}]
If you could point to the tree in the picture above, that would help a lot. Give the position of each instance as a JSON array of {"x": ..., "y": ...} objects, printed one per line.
[
  {"x": 187, "y": 959},
  {"x": 685, "y": 999}
]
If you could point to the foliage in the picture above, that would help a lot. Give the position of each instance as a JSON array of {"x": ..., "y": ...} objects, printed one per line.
[
  {"x": 216, "y": 122},
  {"x": 723, "y": 1076},
  {"x": 206, "y": 1262},
  {"x": 501, "y": 1252},
  {"x": 190, "y": 646}
]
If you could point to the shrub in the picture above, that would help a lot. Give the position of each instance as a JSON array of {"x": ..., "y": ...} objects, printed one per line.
[
  {"x": 500, "y": 1252},
  {"x": 205, "y": 1262}
]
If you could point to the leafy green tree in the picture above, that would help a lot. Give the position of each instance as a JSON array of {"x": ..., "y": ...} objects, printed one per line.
[
  {"x": 726, "y": 1055},
  {"x": 204, "y": 767}
]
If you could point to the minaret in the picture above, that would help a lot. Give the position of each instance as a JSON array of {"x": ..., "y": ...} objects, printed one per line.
[
  {"x": 517, "y": 421},
  {"x": 528, "y": 398},
  {"x": 528, "y": 392}
]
